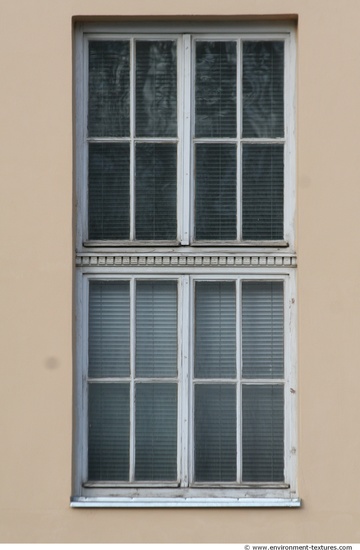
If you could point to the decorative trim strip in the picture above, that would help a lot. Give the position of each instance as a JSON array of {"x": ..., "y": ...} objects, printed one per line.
[{"x": 171, "y": 260}]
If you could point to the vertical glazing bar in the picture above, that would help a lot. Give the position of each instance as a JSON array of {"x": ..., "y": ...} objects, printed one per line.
[
  {"x": 85, "y": 374},
  {"x": 132, "y": 378},
  {"x": 239, "y": 143},
  {"x": 185, "y": 141},
  {"x": 190, "y": 386},
  {"x": 132, "y": 139},
  {"x": 191, "y": 60},
  {"x": 238, "y": 383},
  {"x": 289, "y": 136},
  {"x": 84, "y": 143},
  {"x": 290, "y": 386},
  {"x": 184, "y": 354}
]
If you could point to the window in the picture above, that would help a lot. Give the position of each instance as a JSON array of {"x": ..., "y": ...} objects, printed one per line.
[{"x": 186, "y": 344}]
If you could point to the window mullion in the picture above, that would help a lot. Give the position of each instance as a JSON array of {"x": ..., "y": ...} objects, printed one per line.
[{"x": 132, "y": 379}]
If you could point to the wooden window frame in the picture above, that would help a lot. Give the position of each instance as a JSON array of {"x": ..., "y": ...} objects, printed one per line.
[
  {"x": 186, "y": 121},
  {"x": 186, "y": 261}
]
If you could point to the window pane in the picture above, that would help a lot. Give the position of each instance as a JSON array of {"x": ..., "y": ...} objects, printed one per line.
[
  {"x": 215, "y": 330},
  {"x": 215, "y": 89},
  {"x": 109, "y": 423},
  {"x": 156, "y": 432},
  {"x": 156, "y": 329},
  {"x": 215, "y": 432},
  {"x": 109, "y": 89},
  {"x": 109, "y": 329},
  {"x": 263, "y": 329},
  {"x": 263, "y": 192},
  {"x": 109, "y": 202},
  {"x": 263, "y": 89},
  {"x": 263, "y": 433},
  {"x": 215, "y": 191},
  {"x": 156, "y": 89},
  {"x": 156, "y": 179}
]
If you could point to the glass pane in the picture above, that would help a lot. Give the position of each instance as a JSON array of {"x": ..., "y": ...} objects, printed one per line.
[
  {"x": 263, "y": 329},
  {"x": 156, "y": 328},
  {"x": 215, "y": 432},
  {"x": 109, "y": 202},
  {"x": 263, "y": 89},
  {"x": 215, "y": 330},
  {"x": 263, "y": 192},
  {"x": 263, "y": 433},
  {"x": 215, "y": 200},
  {"x": 109, "y": 423},
  {"x": 156, "y": 432},
  {"x": 109, "y": 89},
  {"x": 109, "y": 329},
  {"x": 156, "y": 89},
  {"x": 215, "y": 89},
  {"x": 156, "y": 178}
]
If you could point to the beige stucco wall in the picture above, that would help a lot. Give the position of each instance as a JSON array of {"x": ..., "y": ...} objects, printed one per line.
[{"x": 36, "y": 210}]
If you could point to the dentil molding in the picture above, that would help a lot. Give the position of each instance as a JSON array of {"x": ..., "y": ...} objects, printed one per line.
[{"x": 189, "y": 260}]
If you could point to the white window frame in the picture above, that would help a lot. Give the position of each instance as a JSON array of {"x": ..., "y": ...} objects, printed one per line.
[
  {"x": 186, "y": 118},
  {"x": 185, "y": 492},
  {"x": 185, "y": 261}
]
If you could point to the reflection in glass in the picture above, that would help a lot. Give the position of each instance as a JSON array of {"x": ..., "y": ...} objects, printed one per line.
[
  {"x": 215, "y": 330},
  {"x": 263, "y": 329},
  {"x": 156, "y": 328},
  {"x": 109, "y": 195},
  {"x": 215, "y": 197},
  {"x": 109, "y": 329},
  {"x": 215, "y": 432},
  {"x": 156, "y": 89},
  {"x": 263, "y": 433},
  {"x": 109, "y": 432},
  {"x": 263, "y": 89},
  {"x": 156, "y": 432},
  {"x": 109, "y": 89},
  {"x": 262, "y": 192},
  {"x": 215, "y": 89},
  {"x": 156, "y": 179}
]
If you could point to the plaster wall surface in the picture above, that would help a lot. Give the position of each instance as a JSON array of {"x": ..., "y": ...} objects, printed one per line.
[{"x": 37, "y": 259}]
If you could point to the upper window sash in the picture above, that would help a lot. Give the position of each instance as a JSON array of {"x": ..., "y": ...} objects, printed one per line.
[{"x": 218, "y": 140}]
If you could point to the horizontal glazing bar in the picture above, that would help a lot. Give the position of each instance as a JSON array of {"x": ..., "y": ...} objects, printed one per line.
[
  {"x": 263, "y": 140},
  {"x": 137, "y": 140},
  {"x": 215, "y": 140},
  {"x": 120, "y": 380},
  {"x": 241, "y": 140},
  {"x": 247, "y": 381},
  {"x": 256, "y": 244},
  {"x": 115, "y": 484},
  {"x": 130, "y": 243}
]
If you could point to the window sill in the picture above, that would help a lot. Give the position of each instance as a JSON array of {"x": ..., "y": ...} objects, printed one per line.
[
  {"x": 111, "y": 243},
  {"x": 192, "y": 502}
]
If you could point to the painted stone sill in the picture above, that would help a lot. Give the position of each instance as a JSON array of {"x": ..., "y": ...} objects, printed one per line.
[{"x": 99, "y": 502}]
